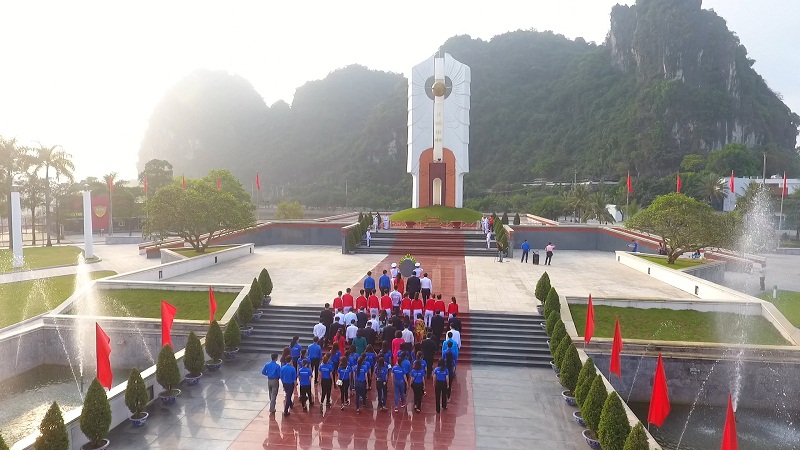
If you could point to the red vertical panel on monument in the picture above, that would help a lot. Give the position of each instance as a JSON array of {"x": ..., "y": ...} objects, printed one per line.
[
  {"x": 100, "y": 213},
  {"x": 437, "y": 170}
]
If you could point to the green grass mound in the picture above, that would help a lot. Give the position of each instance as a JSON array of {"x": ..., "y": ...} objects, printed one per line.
[
  {"x": 671, "y": 325},
  {"x": 190, "y": 252},
  {"x": 146, "y": 303},
  {"x": 680, "y": 263},
  {"x": 788, "y": 303},
  {"x": 25, "y": 299},
  {"x": 41, "y": 257},
  {"x": 444, "y": 213}
]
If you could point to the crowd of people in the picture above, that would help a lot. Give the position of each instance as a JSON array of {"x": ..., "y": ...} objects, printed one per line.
[{"x": 388, "y": 335}]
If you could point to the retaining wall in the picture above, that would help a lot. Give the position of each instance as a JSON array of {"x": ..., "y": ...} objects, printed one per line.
[
  {"x": 184, "y": 266},
  {"x": 575, "y": 237},
  {"x": 289, "y": 233}
]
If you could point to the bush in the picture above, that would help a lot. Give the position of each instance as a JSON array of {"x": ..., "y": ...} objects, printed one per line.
[
  {"x": 517, "y": 220},
  {"x": 570, "y": 367},
  {"x": 265, "y": 281},
  {"x": 552, "y": 303},
  {"x": 614, "y": 426},
  {"x": 637, "y": 439},
  {"x": 167, "y": 372},
  {"x": 593, "y": 405},
  {"x": 585, "y": 378},
  {"x": 352, "y": 242},
  {"x": 245, "y": 312},
  {"x": 559, "y": 331},
  {"x": 504, "y": 220},
  {"x": 95, "y": 418},
  {"x": 543, "y": 288},
  {"x": 551, "y": 321},
  {"x": 255, "y": 293},
  {"x": 289, "y": 211},
  {"x": 193, "y": 358},
  {"x": 254, "y": 303},
  {"x": 561, "y": 351},
  {"x": 233, "y": 336},
  {"x": 3, "y": 445},
  {"x": 136, "y": 397},
  {"x": 215, "y": 343},
  {"x": 53, "y": 431}
]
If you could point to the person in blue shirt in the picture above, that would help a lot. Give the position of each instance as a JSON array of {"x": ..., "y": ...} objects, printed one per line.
[
  {"x": 381, "y": 374},
  {"x": 326, "y": 373},
  {"x": 336, "y": 355},
  {"x": 526, "y": 248},
  {"x": 361, "y": 372},
  {"x": 295, "y": 348},
  {"x": 447, "y": 343},
  {"x": 315, "y": 355},
  {"x": 272, "y": 370},
  {"x": 344, "y": 382},
  {"x": 385, "y": 283},
  {"x": 369, "y": 283},
  {"x": 305, "y": 374},
  {"x": 441, "y": 375},
  {"x": 405, "y": 363},
  {"x": 399, "y": 377},
  {"x": 418, "y": 384},
  {"x": 288, "y": 378},
  {"x": 352, "y": 361},
  {"x": 371, "y": 356},
  {"x": 450, "y": 361}
]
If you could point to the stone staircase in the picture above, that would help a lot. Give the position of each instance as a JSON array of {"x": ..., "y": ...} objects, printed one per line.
[{"x": 438, "y": 242}]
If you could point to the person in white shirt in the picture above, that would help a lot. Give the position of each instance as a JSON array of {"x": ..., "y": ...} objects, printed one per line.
[
  {"x": 396, "y": 297},
  {"x": 375, "y": 324},
  {"x": 352, "y": 332},
  {"x": 320, "y": 330},
  {"x": 456, "y": 337},
  {"x": 426, "y": 286},
  {"x": 369, "y": 238},
  {"x": 417, "y": 270},
  {"x": 386, "y": 222},
  {"x": 393, "y": 272},
  {"x": 408, "y": 336},
  {"x": 489, "y": 239},
  {"x": 339, "y": 317},
  {"x": 349, "y": 317}
]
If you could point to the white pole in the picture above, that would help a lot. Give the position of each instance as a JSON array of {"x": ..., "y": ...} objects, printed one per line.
[
  {"x": 88, "y": 244},
  {"x": 16, "y": 226}
]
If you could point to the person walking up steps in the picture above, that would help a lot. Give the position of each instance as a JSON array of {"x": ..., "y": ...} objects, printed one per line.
[
  {"x": 418, "y": 384},
  {"x": 430, "y": 306},
  {"x": 326, "y": 371},
  {"x": 442, "y": 376},
  {"x": 315, "y": 355},
  {"x": 272, "y": 370},
  {"x": 344, "y": 383},
  {"x": 304, "y": 374},
  {"x": 548, "y": 253},
  {"x": 288, "y": 378},
  {"x": 381, "y": 374},
  {"x": 361, "y": 373},
  {"x": 399, "y": 377}
]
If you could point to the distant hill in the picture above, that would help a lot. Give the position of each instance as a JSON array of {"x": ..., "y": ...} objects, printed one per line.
[{"x": 669, "y": 80}]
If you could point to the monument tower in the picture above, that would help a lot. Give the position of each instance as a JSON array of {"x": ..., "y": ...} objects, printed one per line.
[{"x": 438, "y": 131}]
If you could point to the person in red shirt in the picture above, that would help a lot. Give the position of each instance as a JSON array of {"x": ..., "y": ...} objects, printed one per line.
[
  {"x": 430, "y": 305},
  {"x": 340, "y": 341},
  {"x": 439, "y": 307},
  {"x": 401, "y": 285},
  {"x": 386, "y": 305},
  {"x": 452, "y": 308},
  {"x": 347, "y": 301},
  {"x": 374, "y": 305},
  {"x": 397, "y": 342},
  {"x": 361, "y": 301},
  {"x": 337, "y": 302},
  {"x": 405, "y": 305},
  {"x": 417, "y": 308}
]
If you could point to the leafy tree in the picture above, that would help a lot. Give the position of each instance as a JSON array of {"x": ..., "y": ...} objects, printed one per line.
[
  {"x": 215, "y": 342},
  {"x": 596, "y": 209},
  {"x": 53, "y": 431},
  {"x": 693, "y": 162},
  {"x": 592, "y": 406},
  {"x": 736, "y": 157},
  {"x": 711, "y": 188},
  {"x": 292, "y": 211},
  {"x": 684, "y": 223},
  {"x": 136, "y": 397},
  {"x": 637, "y": 439},
  {"x": 578, "y": 200},
  {"x": 110, "y": 180},
  {"x": 614, "y": 427},
  {"x": 570, "y": 368},
  {"x": 228, "y": 183},
  {"x": 95, "y": 418},
  {"x": 265, "y": 281},
  {"x": 60, "y": 162},
  {"x": 33, "y": 195},
  {"x": 791, "y": 208},
  {"x": 158, "y": 173},
  {"x": 196, "y": 214},
  {"x": 193, "y": 357},
  {"x": 542, "y": 288},
  {"x": 15, "y": 160},
  {"x": 585, "y": 378},
  {"x": 167, "y": 372},
  {"x": 233, "y": 335},
  {"x": 630, "y": 209}
]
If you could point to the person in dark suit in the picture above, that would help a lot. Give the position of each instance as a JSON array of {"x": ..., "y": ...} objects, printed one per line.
[
  {"x": 413, "y": 286},
  {"x": 370, "y": 335},
  {"x": 326, "y": 318},
  {"x": 429, "y": 347},
  {"x": 437, "y": 326},
  {"x": 361, "y": 318},
  {"x": 455, "y": 323},
  {"x": 388, "y": 333}
]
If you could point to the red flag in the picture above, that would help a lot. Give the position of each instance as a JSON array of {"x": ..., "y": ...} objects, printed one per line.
[
  {"x": 145, "y": 185},
  {"x": 212, "y": 304},
  {"x": 616, "y": 349},
  {"x": 589, "y": 332},
  {"x": 258, "y": 182},
  {"x": 731, "y": 184},
  {"x": 630, "y": 185},
  {"x": 729, "y": 440},
  {"x": 785, "y": 190},
  {"x": 679, "y": 183},
  {"x": 167, "y": 316},
  {"x": 659, "y": 400},
  {"x": 103, "y": 343},
  {"x": 219, "y": 184},
  {"x": 183, "y": 182}
]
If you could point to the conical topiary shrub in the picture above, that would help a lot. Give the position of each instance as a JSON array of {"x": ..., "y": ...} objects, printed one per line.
[
  {"x": 614, "y": 427},
  {"x": 559, "y": 331},
  {"x": 265, "y": 281},
  {"x": 561, "y": 351},
  {"x": 215, "y": 342},
  {"x": 585, "y": 378},
  {"x": 637, "y": 439},
  {"x": 136, "y": 397},
  {"x": 542, "y": 288},
  {"x": 252, "y": 300},
  {"x": 551, "y": 321},
  {"x": 517, "y": 220},
  {"x": 552, "y": 303},
  {"x": 53, "y": 431},
  {"x": 233, "y": 335},
  {"x": 504, "y": 220},
  {"x": 95, "y": 418},
  {"x": 245, "y": 312},
  {"x": 168, "y": 374},
  {"x": 593, "y": 404},
  {"x": 570, "y": 368},
  {"x": 255, "y": 292},
  {"x": 193, "y": 357},
  {"x": 3, "y": 445}
]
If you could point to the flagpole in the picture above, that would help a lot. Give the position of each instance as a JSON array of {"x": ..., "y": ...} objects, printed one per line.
[{"x": 783, "y": 194}]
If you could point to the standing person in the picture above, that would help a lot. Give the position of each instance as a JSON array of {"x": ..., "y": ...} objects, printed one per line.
[
  {"x": 437, "y": 326},
  {"x": 296, "y": 348},
  {"x": 374, "y": 303},
  {"x": 388, "y": 333},
  {"x": 419, "y": 329},
  {"x": 500, "y": 250},
  {"x": 347, "y": 301},
  {"x": 315, "y": 355},
  {"x": 762, "y": 275},
  {"x": 384, "y": 283},
  {"x": 349, "y": 318},
  {"x": 429, "y": 351},
  {"x": 381, "y": 375},
  {"x": 338, "y": 317},
  {"x": 548, "y": 253},
  {"x": 417, "y": 307},
  {"x": 362, "y": 318},
  {"x": 399, "y": 377},
  {"x": 386, "y": 304},
  {"x": 361, "y": 300},
  {"x": 305, "y": 385},
  {"x": 397, "y": 343},
  {"x": 405, "y": 305},
  {"x": 326, "y": 372},
  {"x": 386, "y": 222},
  {"x": 370, "y": 332},
  {"x": 288, "y": 378},
  {"x": 430, "y": 307},
  {"x": 376, "y": 221},
  {"x": 321, "y": 332},
  {"x": 344, "y": 383},
  {"x": 413, "y": 286},
  {"x": 489, "y": 238},
  {"x": 369, "y": 238},
  {"x": 272, "y": 370},
  {"x": 360, "y": 342},
  {"x": 369, "y": 283},
  {"x": 526, "y": 248},
  {"x": 634, "y": 245},
  {"x": 338, "y": 303},
  {"x": 417, "y": 270},
  {"x": 400, "y": 284},
  {"x": 361, "y": 371},
  {"x": 452, "y": 308},
  {"x": 407, "y": 334},
  {"x": 442, "y": 376},
  {"x": 439, "y": 307},
  {"x": 352, "y": 332},
  {"x": 326, "y": 315},
  {"x": 418, "y": 384},
  {"x": 396, "y": 296},
  {"x": 393, "y": 272},
  {"x": 426, "y": 286},
  {"x": 455, "y": 335},
  {"x": 339, "y": 342}
]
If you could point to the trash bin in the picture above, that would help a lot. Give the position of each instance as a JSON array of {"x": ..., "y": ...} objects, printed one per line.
[{"x": 536, "y": 258}]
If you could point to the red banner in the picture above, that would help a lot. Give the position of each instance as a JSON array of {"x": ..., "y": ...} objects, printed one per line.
[
  {"x": 103, "y": 344},
  {"x": 167, "y": 317},
  {"x": 616, "y": 350},
  {"x": 659, "y": 400},
  {"x": 589, "y": 332},
  {"x": 212, "y": 304}
]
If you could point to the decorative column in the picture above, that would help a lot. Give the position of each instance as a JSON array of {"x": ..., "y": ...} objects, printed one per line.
[
  {"x": 88, "y": 244},
  {"x": 16, "y": 227}
]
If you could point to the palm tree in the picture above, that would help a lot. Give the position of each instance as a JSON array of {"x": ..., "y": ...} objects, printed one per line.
[
  {"x": 109, "y": 179},
  {"x": 578, "y": 200},
  {"x": 60, "y": 162},
  {"x": 34, "y": 190},
  {"x": 711, "y": 188},
  {"x": 596, "y": 209},
  {"x": 14, "y": 161}
]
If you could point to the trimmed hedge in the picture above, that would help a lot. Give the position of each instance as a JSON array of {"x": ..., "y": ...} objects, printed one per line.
[
  {"x": 542, "y": 288},
  {"x": 168, "y": 375},
  {"x": 215, "y": 342},
  {"x": 614, "y": 427},
  {"x": 561, "y": 351},
  {"x": 245, "y": 312},
  {"x": 517, "y": 220},
  {"x": 570, "y": 368},
  {"x": 136, "y": 397},
  {"x": 95, "y": 418},
  {"x": 585, "y": 378},
  {"x": 592, "y": 406},
  {"x": 551, "y": 321},
  {"x": 53, "y": 431},
  {"x": 233, "y": 336},
  {"x": 637, "y": 439},
  {"x": 265, "y": 281},
  {"x": 552, "y": 303},
  {"x": 193, "y": 358},
  {"x": 255, "y": 292},
  {"x": 504, "y": 220},
  {"x": 559, "y": 331}
]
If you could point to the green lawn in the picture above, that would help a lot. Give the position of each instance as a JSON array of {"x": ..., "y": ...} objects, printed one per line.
[
  {"x": 192, "y": 305},
  {"x": 669, "y": 325},
  {"x": 445, "y": 214},
  {"x": 789, "y": 243},
  {"x": 788, "y": 303},
  {"x": 25, "y": 299},
  {"x": 190, "y": 252},
  {"x": 680, "y": 263},
  {"x": 40, "y": 257}
]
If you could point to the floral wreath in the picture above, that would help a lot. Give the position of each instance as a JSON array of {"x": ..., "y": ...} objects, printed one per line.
[{"x": 408, "y": 257}]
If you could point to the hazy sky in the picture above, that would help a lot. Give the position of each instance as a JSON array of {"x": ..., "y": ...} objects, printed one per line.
[{"x": 87, "y": 75}]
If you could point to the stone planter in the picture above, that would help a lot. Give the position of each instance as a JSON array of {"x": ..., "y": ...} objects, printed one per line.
[
  {"x": 246, "y": 331},
  {"x": 214, "y": 365},
  {"x": 569, "y": 397},
  {"x": 579, "y": 419},
  {"x": 191, "y": 381},
  {"x": 266, "y": 300},
  {"x": 257, "y": 315},
  {"x": 137, "y": 422},
  {"x": 553, "y": 365},
  {"x": 231, "y": 354},
  {"x": 88, "y": 446},
  {"x": 543, "y": 325},
  {"x": 591, "y": 439},
  {"x": 169, "y": 397}
]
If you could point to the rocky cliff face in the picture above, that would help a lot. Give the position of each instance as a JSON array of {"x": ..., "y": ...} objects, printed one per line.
[{"x": 708, "y": 93}]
